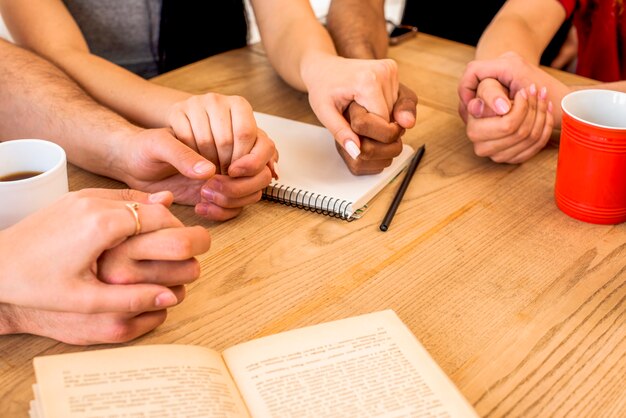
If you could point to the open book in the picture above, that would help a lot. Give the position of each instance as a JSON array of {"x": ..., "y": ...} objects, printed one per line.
[
  {"x": 313, "y": 175},
  {"x": 369, "y": 365}
]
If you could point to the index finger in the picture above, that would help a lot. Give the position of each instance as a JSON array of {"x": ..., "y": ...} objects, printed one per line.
[
  {"x": 244, "y": 127},
  {"x": 122, "y": 219},
  {"x": 165, "y": 198}
]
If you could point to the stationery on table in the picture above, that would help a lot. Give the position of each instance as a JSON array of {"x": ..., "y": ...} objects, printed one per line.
[
  {"x": 361, "y": 366},
  {"x": 313, "y": 176},
  {"x": 395, "y": 203}
]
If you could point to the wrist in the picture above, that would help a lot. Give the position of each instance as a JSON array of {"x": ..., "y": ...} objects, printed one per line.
[
  {"x": 170, "y": 98},
  {"x": 118, "y": 162},
  {"x": 311, "y": 65}
]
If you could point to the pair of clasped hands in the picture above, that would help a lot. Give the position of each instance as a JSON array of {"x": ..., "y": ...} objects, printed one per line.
[
  {"x": 509, "y": 107},
  {"x": 123, "y": 258}
]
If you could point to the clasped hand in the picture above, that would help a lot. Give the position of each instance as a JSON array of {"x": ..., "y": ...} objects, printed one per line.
[
  {"x": 508, "y": 106},
  {"x": 104, "y": 284},
  {"x": 213, "y": 156},
  {"x": 365, "y": 108}
]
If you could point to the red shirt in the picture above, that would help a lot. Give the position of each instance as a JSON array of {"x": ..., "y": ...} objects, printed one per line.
[{"x": 601, "y": 27}]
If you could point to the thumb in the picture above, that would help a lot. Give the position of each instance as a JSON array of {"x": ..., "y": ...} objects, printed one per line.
[
  {"x": 188, "y": 162},
  {"x": 98, "y": 297},
  {"x": 477, "y": 108},
  {"x": 404, "y": 109},
  {"x": 340, "y": 129},
  {"x": 495, "y": 96}
]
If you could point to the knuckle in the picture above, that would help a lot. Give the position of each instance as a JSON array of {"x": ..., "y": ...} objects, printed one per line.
[
  {"x": 471, "y": 131},
  {"x": 128, "y": 194},
  {"x": 211, "y": 98},
  {"x": 134, "y": 304},
  {"x": 120, "y": 331},
  {"x": 368, "y": 150},
  {"x": 257, "y": 196},
  {"x": 204, "y": 235},
  {"x": 226, "y": 139},
  {"x": 241, "y": 101},
  {"x": 522, "y": 133},
  {"x": 98, "y": 222},
  {"x": 508, "y": 125},
  {"x": 195, "y": 100},
  {"x": 77, "y": 195},
  {"x": 497, "y": 159},
  {"x": 224, "y": 215},
  {"x": 117, "y": 276},
  {"x": 246, "y": 135},
  {"x": 471, "y": 66},
  {"x": 396, "y": 148},
  {"x": 194, "y": 270},
  {"x": 482, "y": 150},
  {"x": 358, "y": 124}
]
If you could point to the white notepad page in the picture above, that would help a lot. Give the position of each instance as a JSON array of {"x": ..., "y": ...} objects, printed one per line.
[{"x": 312, "y": 172}]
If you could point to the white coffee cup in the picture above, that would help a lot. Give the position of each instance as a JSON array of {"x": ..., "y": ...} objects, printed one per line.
[{"x": 20, "y": 198}]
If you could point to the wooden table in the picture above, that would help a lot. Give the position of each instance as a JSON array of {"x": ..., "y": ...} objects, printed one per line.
[{"x": 522, "y": 306}]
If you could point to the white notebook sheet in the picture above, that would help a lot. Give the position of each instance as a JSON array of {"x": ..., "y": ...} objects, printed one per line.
[{"x": 313, "y": 176}]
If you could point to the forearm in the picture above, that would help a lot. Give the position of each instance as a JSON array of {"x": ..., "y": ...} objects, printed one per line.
[
  {"x": 131, "y": 96},
  {"x": 38, "y": 100},
  {"x": 522, "y": 26},
  {"x": 358, "y": 28},
  {"x": 508, "y": 33},
  {"x": 47, "y": 28},
  {"x": 294, "y": 39}
]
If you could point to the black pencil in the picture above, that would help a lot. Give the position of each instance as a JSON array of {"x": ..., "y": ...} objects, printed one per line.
[{"x": 402, "y": 189}]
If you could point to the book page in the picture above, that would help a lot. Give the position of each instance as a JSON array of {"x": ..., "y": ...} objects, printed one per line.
[
  {"x": 370, "y": 365},
  {"x": 312, "y": 172},
  {"x": 141, "y": 381}
]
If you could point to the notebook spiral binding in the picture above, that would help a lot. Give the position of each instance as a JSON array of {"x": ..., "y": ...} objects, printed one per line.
[{"x": 311, "y": 202}]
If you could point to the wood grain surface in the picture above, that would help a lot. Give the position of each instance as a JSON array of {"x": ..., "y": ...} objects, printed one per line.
[{"x": 521, "y": 305}]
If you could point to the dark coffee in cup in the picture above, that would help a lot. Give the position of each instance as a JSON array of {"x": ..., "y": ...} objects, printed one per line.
[{"x": 20, "y": 175}]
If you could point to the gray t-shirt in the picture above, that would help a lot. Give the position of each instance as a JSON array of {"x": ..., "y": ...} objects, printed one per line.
[{"x": 125, "y": 32}]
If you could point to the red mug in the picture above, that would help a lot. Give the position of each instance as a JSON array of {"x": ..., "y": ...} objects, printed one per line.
[{"x": 591, "y": 171}]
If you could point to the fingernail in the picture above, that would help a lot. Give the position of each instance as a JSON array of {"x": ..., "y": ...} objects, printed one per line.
[
  {"x": 532, "y": 89},
  {"x": 543, "y": 93},
  {"x": 481, "y": 108},
  {"x": 158, "y": 197},
  {"x": 207, "y": 194},
  {"x": 202, "y": 167},
  {"x": 550, "y": 107},
  {"x": 408, "y": 116},
  {"x": 165, "y": 300},
  {"x": 523, "y": 93},
  {"x": 502, "y": 106},
  {"x": 202, "y": 209},
  {"x": 352, "y": 149}
]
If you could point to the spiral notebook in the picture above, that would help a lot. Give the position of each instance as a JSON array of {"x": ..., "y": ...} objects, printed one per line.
[{"x": 314, "y": 177}]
